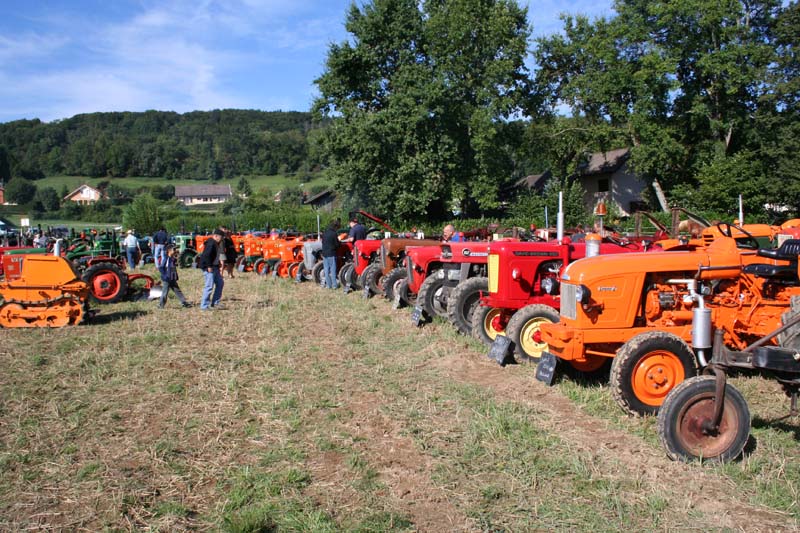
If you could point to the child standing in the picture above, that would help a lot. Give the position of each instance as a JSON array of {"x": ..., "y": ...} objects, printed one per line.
[{"x": 169, "y": 277}]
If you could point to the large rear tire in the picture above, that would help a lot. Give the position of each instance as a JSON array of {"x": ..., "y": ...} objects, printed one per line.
[
  {"x": 429, "y": 296},
  {"x": 463, "y": 300},
  {"x": 686, "y": 416},
  {"x": 107, "y": 282},
  {"x": 187, "y": 258},
  {"x": 647, "y": 368},
  {"x": 523, "y": 328}
]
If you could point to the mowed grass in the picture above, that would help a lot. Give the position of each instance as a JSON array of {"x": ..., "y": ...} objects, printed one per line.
[{"x": 302, "y": 409}]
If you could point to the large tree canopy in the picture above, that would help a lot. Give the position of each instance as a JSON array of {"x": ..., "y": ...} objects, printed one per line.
[{"x": 419, "y": 98}]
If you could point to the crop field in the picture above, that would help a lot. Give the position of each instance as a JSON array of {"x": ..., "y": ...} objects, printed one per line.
[{"x": 302, "y": 409}]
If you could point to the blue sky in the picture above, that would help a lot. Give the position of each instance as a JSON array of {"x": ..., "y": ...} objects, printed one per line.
[{"x": 59, "y": 58}]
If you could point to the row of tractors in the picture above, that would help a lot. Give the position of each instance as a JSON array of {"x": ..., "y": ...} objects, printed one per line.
[{"x": 666, "y": 317}]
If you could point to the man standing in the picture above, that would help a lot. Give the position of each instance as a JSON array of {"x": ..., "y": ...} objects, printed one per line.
[
  {"x": 357, "y": 231},
  {"x": 132, "y": 249},
  {"x": 160, "y": 240},
  {"x": 212, "y": 277},
  {"x": 330, "y": 244}
]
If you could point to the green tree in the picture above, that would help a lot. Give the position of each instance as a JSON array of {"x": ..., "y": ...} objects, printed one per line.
[
  {"x": 529, "y": 207},
  {"x": 46, "y": 199},
  {"x": 243, "y": 187},
  {"x": 418, "y": 100},
  {"x": 20, "y": 191},
  {"x": 142, "y": 215}
]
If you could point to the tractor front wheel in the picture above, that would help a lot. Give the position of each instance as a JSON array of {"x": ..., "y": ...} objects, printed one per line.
[
  {"x": 316, "y": 273},
  {"x": 685, "y": 422},
  {"x": 261, "y": 267},
  {"x": 345, "y": 276},
  {"x": 373, "y": 278},
  {"x": 187, "y": 258},
  {"x": 647, "y": 368},
  {"x": 391, "y": 280},
  {"x": 488, "y": 323},
  {"x": 464, "y": 299},
  {"x": 429, "y": 295},
  {"x": 523, "y": 330},
  {"x": 107, "y": 282}
]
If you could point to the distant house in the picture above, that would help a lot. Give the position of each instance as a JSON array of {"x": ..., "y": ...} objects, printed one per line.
[
  {"x": 535, "y": 182},
  {"x": 322, "y": 201},
  {"x": 84, "y": 194},
  {"x": 606, "y": 176},
  {"x": 203, "y": 194}
]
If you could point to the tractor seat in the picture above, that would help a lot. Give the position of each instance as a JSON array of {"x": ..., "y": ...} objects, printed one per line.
[{"x": 788, "y": 251}]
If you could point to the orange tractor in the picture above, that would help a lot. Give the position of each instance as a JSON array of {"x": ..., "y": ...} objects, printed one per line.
[
  {"x": 41, "y": 291},
  {"x": 651, "y": 314}
]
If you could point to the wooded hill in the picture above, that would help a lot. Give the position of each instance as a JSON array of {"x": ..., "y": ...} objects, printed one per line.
[{"x": 198, "y": 145}]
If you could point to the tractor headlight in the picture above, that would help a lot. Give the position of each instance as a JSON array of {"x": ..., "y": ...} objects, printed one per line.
[
  {"x": 550, "y": 286},
  {"x": 582, "y": 294}
]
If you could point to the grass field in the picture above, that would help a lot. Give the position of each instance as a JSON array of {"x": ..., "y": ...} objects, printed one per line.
[
  {"x": 301, "y": 409},
  {"x": 273, "y": 183}
]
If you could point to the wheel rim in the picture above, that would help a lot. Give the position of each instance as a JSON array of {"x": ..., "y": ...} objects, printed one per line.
[
  {"x": 696, "y": 414},
  {"x": 493, "y": 323},
  {"x": 657, "y": 373},
  {"x": 526, "y": 337},
  {"x": 105, "y": 285}
]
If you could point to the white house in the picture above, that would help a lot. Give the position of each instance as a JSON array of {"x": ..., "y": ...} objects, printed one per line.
[
  {"x": 84, "y": 194},
  {"x": 203, "y": 194}
]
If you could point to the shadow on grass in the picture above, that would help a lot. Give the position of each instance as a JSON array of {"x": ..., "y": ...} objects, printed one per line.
[
  {"x": 108, "y": 318},
  {"x": 783, "y": 423}
]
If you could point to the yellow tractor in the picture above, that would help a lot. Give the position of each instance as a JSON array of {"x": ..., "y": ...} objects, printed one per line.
[{"x": 41, "y": 291}]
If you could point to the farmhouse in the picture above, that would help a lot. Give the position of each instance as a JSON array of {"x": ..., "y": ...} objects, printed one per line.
[
  {"x": 606, "y": 176},
  {"x": 84, "y": 194},
  {"x": 203, "y": 194},
  {"x": 322, "y": 201}
]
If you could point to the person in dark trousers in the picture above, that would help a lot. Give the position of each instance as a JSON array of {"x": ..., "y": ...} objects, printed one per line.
[
  {"x": 212, "y": 277},
  {"x": 160, "y": 240},
  {"x": 169, "y": 277},
  {"x": 330, "y": 243}
]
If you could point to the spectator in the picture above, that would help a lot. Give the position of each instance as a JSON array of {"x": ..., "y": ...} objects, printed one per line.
[
  {"x": 449, "y": 234},
  {"x": 330, "y": 245},
  {"x": 39, "y": 240},
  {"x": 230, "y": 252},
  {"x": 160, "y": 240},
  {"x": 132, "y": 249},
  {"x": 357, "y": 231},
  {"x": 169, "y": 277},
  {"x": 209, "y": 263}
]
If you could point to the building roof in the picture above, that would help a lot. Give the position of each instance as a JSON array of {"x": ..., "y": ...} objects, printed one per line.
[
  {"x": 187, "y": 191},
  {"x": 603, "y": 162},
  {"x": 535, "y": 181},
  {"x": 317, "y": 198},
  {"x": 84, "y": 186}
]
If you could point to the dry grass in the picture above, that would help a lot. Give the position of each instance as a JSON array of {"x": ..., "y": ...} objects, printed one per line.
[{"x": 303, "y": 409}]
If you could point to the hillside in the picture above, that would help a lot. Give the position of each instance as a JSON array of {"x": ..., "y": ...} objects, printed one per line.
[{"x": 197, "y": 145}]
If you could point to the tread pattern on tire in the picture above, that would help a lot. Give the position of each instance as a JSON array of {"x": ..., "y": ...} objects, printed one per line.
[
  {"x": 522, "y": 317},
  {"x": 478, "y": 318},
  {"x": 667, "y": 418},
  {"x": 122, "y": 278},
  {"x": 426, "y": 294},
  {"x": 394, "y": 275},
  {"x": 619, "y": 380},
  {"x": 462, "y": 301}
]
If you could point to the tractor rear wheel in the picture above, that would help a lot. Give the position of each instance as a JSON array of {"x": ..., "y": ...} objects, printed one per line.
[
  {"x": 187, "y": 258},
  {"x": 373, "y": 278},
  {"x": 488, "y": 323},
  {"x": 429, "y": 295},
  {"x": 647, "y": 368},
  {"x": 316, "y": 273},
  {"x": 686, "y": 416},
  {"x": 293, "y": 268},
  {"x": 395, "y": 275},
  {"x": 463, "y": 300},
  {"x": 523, "y": 330},
  {"x": 107, "y": 282}
]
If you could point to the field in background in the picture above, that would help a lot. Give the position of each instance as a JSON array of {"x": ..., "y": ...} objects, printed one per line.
[
  {"x": 273, "y": 183},
  {"x": 302, "y": 409}
]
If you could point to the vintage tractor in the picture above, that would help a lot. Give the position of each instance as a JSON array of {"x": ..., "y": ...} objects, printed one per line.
[
  {"x": 251, "y": 252},
  {"x": 641, "y": 311},
  {"x": 447, "y": 279},
  {"x": 522, "y": 288},
  {"x": 41, "y": 291},
  {"x": 187, "y": 249},
  {"x": 392, "y": 271}
]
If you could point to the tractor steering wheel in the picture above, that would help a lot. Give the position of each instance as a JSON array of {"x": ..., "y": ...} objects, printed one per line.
[{"x": 748, "y": 242}]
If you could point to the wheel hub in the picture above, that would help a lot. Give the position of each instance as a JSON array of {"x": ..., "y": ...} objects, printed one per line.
[{"x": 656, "y": 374}]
